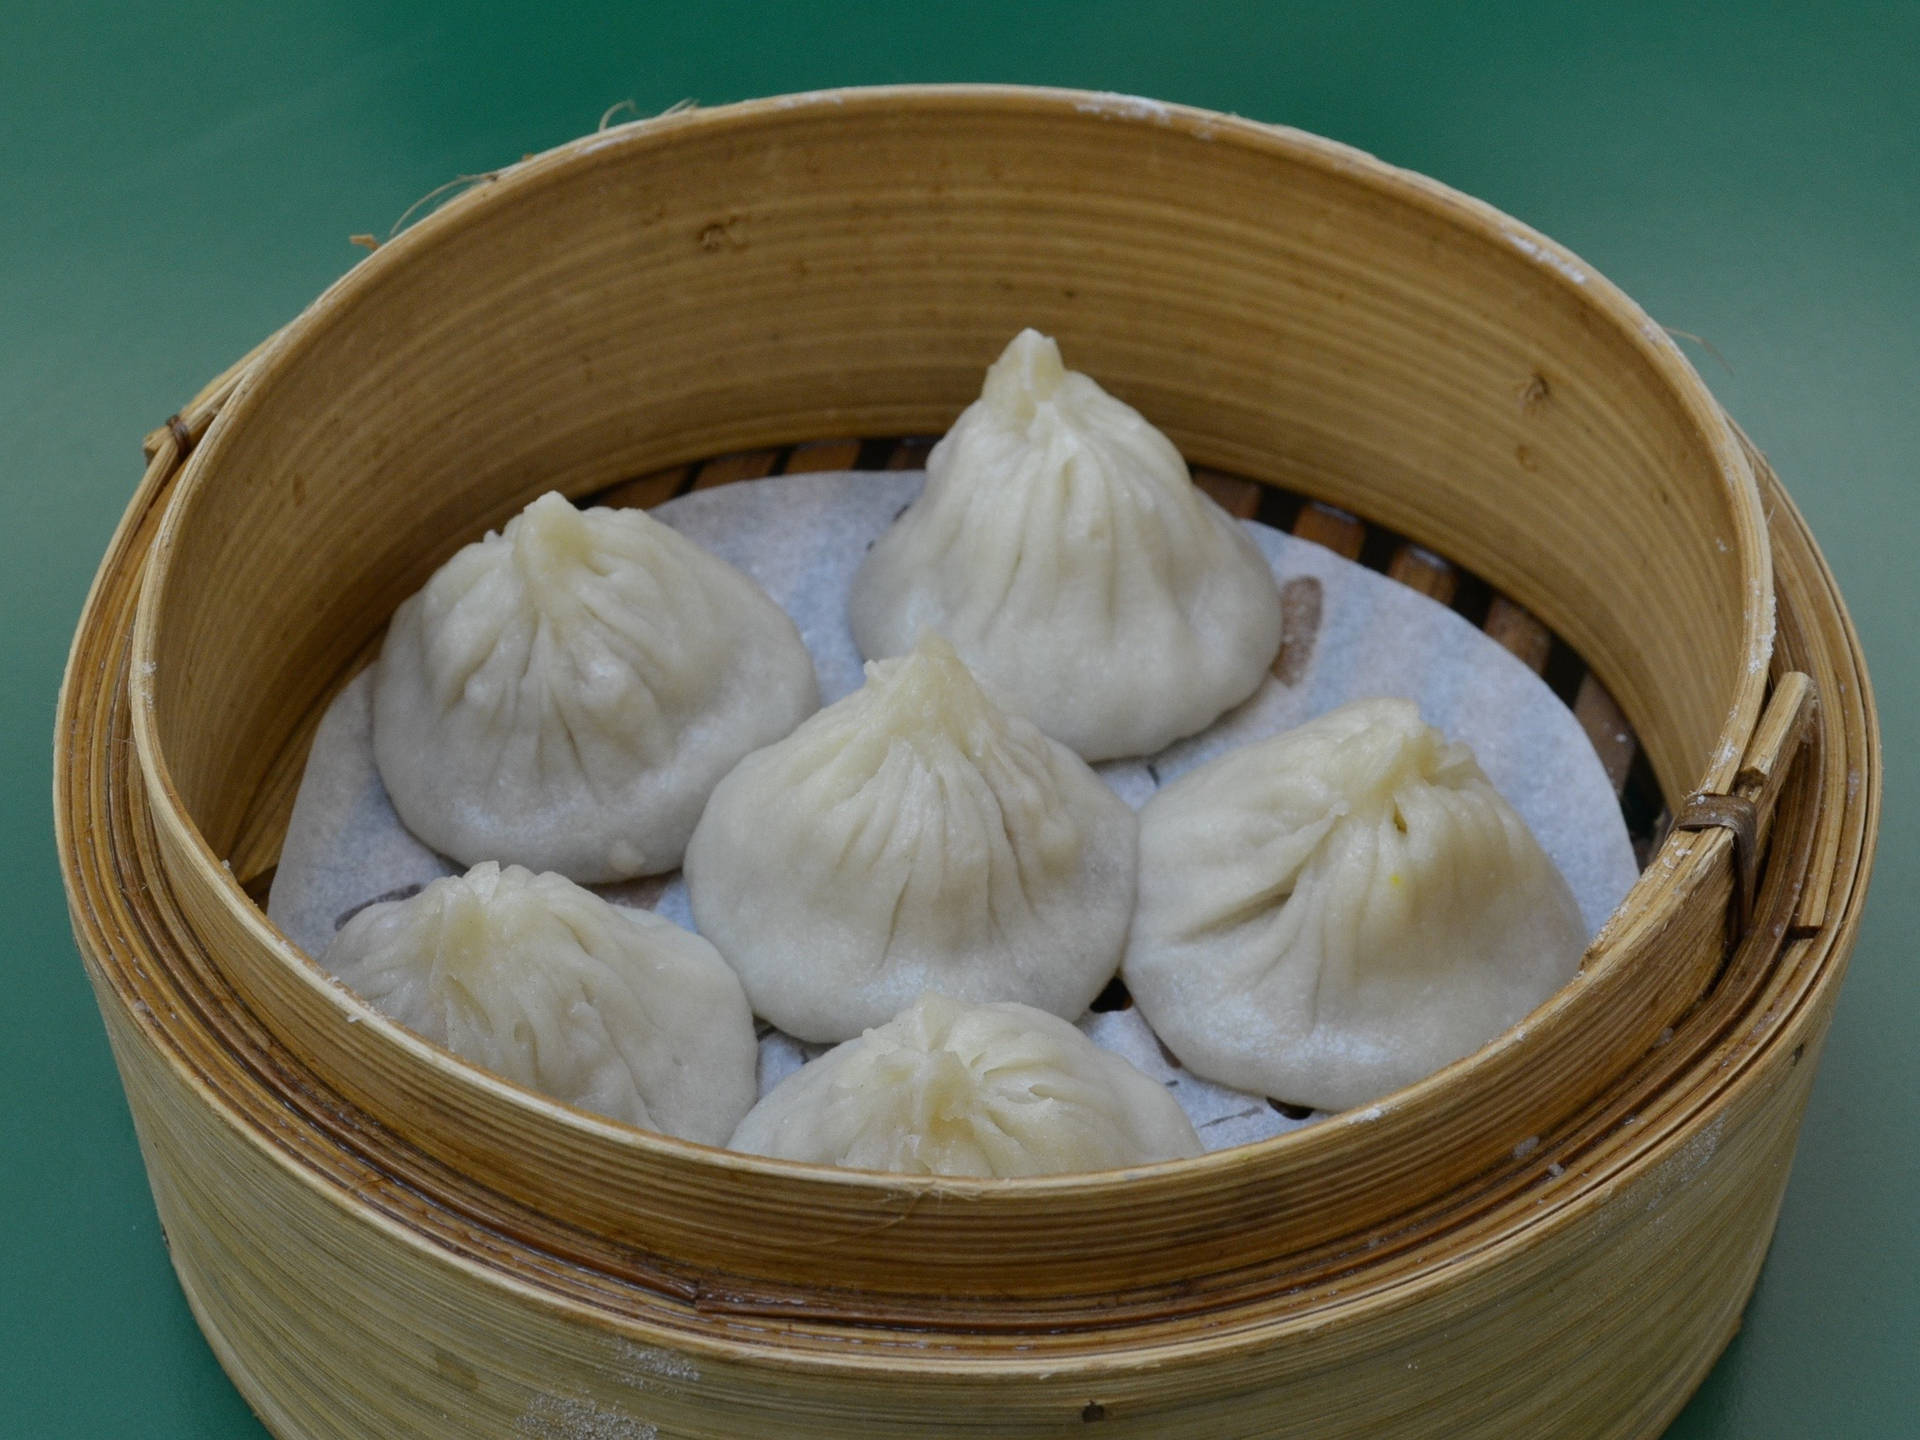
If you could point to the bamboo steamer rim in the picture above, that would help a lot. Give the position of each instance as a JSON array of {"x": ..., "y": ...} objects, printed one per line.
[{"x": 1562, "y": 270}]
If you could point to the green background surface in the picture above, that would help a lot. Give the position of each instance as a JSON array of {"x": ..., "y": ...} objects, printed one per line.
[{"x": 180, "y": 179}]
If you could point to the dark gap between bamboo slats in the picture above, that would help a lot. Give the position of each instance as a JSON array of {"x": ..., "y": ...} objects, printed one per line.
[
  {"x": 725, "y": 469},
  {"x": 647, "y": 491},
  {"x": 825, "y": 455},
  {"x": 909, "y": 454}
]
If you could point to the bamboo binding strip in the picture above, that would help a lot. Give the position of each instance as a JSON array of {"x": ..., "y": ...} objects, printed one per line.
[{"x": 1553, "y": 1237}]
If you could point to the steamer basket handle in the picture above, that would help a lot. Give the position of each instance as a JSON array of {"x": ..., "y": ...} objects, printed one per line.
[{"x": 1747, "y": 811}]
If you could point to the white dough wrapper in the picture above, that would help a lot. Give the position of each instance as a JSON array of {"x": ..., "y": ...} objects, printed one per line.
[
  {"x": 802, "y": 537},
  {"x": 566, "y": 693},
  {"x": 1341, "y": 910},
  {"x": 611, "y": 1010},
  {"x": 1220, "y": 1115},
  {"x": 1063, "y": 548},
  {"x": 947, "y": 1088},
  {"x": 913, "y": 837}
]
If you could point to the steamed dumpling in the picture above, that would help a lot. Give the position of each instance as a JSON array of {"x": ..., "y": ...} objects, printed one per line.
[
  {"x": 1342, "y": 909},
  {"x": 611, "y": 1010},
  {"x": 1063, "y": 548},
  {"x": 951, "y": 1089},
  {"x": 913, "y": 837},
  {"x": 566, "y": 693}
]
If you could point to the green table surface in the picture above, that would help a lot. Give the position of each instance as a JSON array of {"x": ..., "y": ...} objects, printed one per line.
[{"x": 181, "y": 178}]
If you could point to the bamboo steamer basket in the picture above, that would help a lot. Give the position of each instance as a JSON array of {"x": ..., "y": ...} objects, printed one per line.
[{"x": 1554, "y": 1236}]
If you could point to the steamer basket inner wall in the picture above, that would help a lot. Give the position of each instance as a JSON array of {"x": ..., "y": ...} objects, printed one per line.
[{"x": 1282, "y": 308}]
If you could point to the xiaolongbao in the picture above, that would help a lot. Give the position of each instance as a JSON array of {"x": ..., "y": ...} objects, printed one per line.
[
  {"x": 913, "y": 837},
  {"x": 566, "y": 693},
  {"x": 952, "y": 1089},
  {"x": 611, "y": 1010},
  {"x": 1063, "y": 548},
  {"x": 1342, "y": 909}
]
